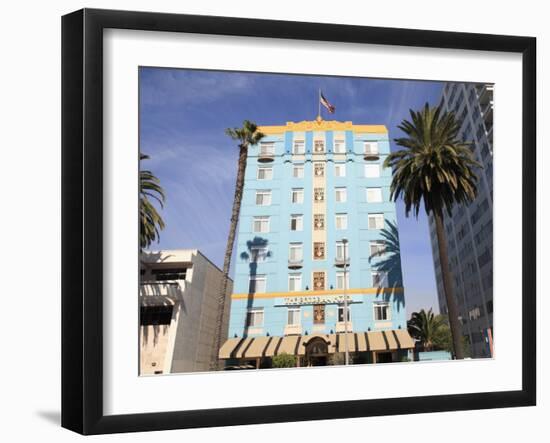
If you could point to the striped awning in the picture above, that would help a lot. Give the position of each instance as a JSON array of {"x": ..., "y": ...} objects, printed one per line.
[{"x": 256, "y": 347}]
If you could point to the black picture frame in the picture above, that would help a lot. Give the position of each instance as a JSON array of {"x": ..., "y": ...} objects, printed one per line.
[{"x": 82, "y": 219}]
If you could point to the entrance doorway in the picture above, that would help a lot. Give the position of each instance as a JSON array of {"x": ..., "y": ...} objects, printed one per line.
[{"x": 317, "y": 352}]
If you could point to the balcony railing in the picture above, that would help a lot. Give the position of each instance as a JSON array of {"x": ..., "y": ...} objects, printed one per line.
[
  {"x": 340, "y": 262},
  {"x": 266, "y": 157},
  {"x": 161, "y": 291},
  {"x": 371, "y": 155},
  {"x": 295, "y": 263}
]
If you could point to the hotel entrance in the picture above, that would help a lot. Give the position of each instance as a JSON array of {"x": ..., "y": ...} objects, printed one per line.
[{"x": 317, "y": 352}]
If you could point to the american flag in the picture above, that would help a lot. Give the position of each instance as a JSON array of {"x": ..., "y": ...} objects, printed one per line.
[{"x": 326, "y": 104}]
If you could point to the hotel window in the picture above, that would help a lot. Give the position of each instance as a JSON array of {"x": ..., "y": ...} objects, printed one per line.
[
  {"x": 319, "y": 222},
  {"x": 319, "y": 251},
  {"x": 341, "y": 195},
  {"x": 293, "y": 316},
  {"x": 340, "y": 280},
  {"x": 374, "y": 195},
  {"x": 258, "y": 254},
  {"x": 371, "y": 148},
  {"x": 376, "y": 221},
  {"x": 297, "y": 195},
  {"x": 255, "y": 317},
  {"x": 341, "y": 314},
  {"x": 372, "y": 170},
  {"x": 299, "y": 147},
  {"x": 261, "y": 224},
  {"x": 341, "y": 221},
  {"x": 318, "y": 314},
  {"x": 267, "y": 148},
  {"x": 295, "y": 252},
  {"x": 257, "y": 284},
  {"x": 378, "y": 279},
  {"x": 298, "y": 171},
  {"x": 263, "y": 198},
  {"x": 339, "y": 147},
  {"x": 340, "y": 250},
  {"x": 318, "y": 146},
  {"x": 296, "y": 222},
  {"x": 382, "y": 311},
  {"x": 377, "y": 247},
  {"x": 319, "y": 194},
  {"x": 339, "y": 170},
  {"x": 319, "y": 169},
  {"x": 265, "y": 173},
  {"x": 318, "y": 281},
  {"x": 294, "y": 282}
]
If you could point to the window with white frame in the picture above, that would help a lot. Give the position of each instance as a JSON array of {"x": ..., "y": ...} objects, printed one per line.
[
  {"x": 296, "y": 222},
  {"x": 378, "y": 279},
  {"x": 341, "y": 195},
  {"x": 295, "y": 252},
  {"x": 263, "y": 197},
  {"x": 372, "y": 170},
  {"x": 340, "y": 280},
  {"x": 382, "y": 312},
  {"x": 261, "y": 224},
  {"x": 341, "y": 311},
  {"x": 293, "y": 316},
  {"x": 340, "y": 250},
  {"x": 371, "y": 148},
  {"x": 299, "y": 147},
  {"x": 267, "y": 148},
  {"x": 257, "y": 284},
  {"x": 339, "y": 146},
  {"x": 258, "y": 254},
  {"x": 265, "y": 173},
  {"x": 294, "y": 282},
  {"x": 341, "y": 221},
  {"x": 339, "y": 169},
  {"x": 376, "y": 221},
  {"x": 374, "y": 195},
  {"x": 297, "y": 195},
  {"x": 377, "y": 247},
  {"x": 255, "y": 317},
  {"x": 298, "y": 171}
]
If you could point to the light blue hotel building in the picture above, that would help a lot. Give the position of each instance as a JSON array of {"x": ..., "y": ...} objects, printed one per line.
[{"x": 308, "y": 186}]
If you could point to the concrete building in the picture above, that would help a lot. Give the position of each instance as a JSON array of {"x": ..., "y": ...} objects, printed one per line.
[
  {"x": 178, "y": 296},
  {"x": 308, "y": 186},
  {"x": 470, "y": 228}
]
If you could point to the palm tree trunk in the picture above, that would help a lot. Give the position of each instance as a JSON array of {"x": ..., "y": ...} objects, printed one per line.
[
  {"x": 224, "y": 299},
  {"x": 448, "y": 286}
]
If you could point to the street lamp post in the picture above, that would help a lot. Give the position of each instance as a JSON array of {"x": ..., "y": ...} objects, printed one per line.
[{"x": 346, "y": 348}]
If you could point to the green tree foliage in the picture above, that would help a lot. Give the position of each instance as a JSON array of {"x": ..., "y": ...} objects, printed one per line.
[
  {"x": 150, "y": 221},
  {"x": 284, "y": 360}
]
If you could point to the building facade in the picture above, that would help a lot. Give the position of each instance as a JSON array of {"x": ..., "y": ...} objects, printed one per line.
[
  {"x": 309, "y": 186},
  {"x": 178, "y": 297},
  {"x": 469, "y": 229}
]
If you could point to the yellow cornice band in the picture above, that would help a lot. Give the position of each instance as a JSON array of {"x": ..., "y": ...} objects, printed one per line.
[
  {"x": 308, "y": 293},
  {"x": 322, "y": 125}
]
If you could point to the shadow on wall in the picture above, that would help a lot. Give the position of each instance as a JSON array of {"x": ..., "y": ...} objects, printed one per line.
[
  {"x": 388, "y": 261},
  {"x": 255, "y": 253}
]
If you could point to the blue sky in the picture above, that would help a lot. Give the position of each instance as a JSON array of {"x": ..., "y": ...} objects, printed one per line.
[{"x": 183, "y": 115}]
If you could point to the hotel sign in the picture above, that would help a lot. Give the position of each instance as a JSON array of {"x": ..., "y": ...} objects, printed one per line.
[{"x": 316, "y": 299}]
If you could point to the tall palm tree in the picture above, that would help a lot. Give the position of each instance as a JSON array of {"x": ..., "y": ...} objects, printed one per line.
[
  {"x": 425, "y": 326},
  {"x": 437, "y": 168},
  {"x": 150, "y": 221},
  {"x": 246, "y": 136}
]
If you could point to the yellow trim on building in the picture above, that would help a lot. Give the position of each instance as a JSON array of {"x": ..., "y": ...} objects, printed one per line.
[
  {"x": 326, "y": 292},
  {"x": 322, "y": 125}
]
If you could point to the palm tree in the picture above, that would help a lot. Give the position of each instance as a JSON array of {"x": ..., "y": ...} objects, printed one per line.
[
  {"x": 150, "y": 221},
  {"x": 425, "y": 326},
  {"x": 246, "y": 136},
  {"x": 436, "y": 168}
]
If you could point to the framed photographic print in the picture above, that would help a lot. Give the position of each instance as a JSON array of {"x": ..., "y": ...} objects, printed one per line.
[{"x": 270, "y": 221}]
